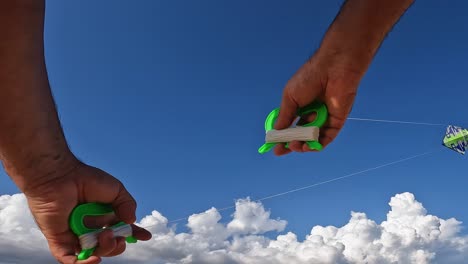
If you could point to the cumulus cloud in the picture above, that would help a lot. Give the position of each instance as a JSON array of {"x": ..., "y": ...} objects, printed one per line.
[
  {"x": 20, "y": 239},
  {"x": 408, "y": 235}
]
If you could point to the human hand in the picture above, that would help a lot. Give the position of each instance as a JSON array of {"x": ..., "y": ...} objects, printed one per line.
[
  {"x": 333, "y": 74},
  {"x": 51, "y": 204},
  {"x": 327, "y": 78}
]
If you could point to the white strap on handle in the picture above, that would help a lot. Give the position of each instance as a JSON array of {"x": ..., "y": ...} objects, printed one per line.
[
  {"x": 294, "y": 133},
  {"x": 89, "y": 240}
]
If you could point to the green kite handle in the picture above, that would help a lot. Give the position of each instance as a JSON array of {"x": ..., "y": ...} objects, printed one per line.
[
  {"x": 321, "y": 117},
  {"x": 78, "y": 227}
]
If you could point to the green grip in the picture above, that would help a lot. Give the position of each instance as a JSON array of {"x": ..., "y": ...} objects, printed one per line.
[
  {"x": 321, "y": 117},
  {"x": 78, "y": 227}
]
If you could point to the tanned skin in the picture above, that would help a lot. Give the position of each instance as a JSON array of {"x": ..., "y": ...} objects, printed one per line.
[
  {"x": 332, "y": 75},
  {"x": 33, "y": 148},
  {"x": 35, "y": 154}
]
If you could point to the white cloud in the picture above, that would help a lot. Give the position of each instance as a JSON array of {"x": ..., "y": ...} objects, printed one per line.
[
  {"x": 408, "y": 235},
  {"x": 251, "y": 218},
  {"x": 20, "y": 239}
]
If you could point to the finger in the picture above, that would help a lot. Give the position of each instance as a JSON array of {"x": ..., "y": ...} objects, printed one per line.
[
  {"x": 328, "y": 135},
  {"x": 119, "y": 248},
  {"x": 141, "y": 233},
  {"x": 106, "y": 243},
  {"x": 120, "y": 243},
  {"x": 109, "y": 245},
  {"x": 334, "y": 122},
  {"x": 325, "y": 141},
  {"x": 64, "y": 247},
  {"x": 280, "y": 149},
  {"x": 125, "y": 206},
  {"x": 107, "y": 189},
  {"x": 95, "y": 222},
  {"x": 287, "y": 112},
  {"x": 113, "y": 246},
  {"x": 296, "y": 146}
]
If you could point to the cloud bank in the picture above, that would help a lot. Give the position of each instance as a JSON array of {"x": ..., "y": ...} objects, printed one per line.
[{"x": 408, "y": 235}]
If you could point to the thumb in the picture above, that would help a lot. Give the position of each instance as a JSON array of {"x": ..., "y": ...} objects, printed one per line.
[
  {"x": 287, "y": 113},
  {"x": 104, "y": 188},
  {"x": 295, "y": 96},
  {"x": 125, "y": 206}
]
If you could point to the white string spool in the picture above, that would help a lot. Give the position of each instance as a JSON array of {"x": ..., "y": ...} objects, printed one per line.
[
  {"x": 90, "y": 240},
  {"x": 293, "y": 133}
]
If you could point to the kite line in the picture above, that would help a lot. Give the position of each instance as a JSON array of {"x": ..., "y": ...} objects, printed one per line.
[
  {"x": 318, "y": 183},
  {"x": 395, "y": 121},
  {"x": 456, "y": 138},
  {"x": 348, "y": 175},
  {"x": 341, "y": 177}
]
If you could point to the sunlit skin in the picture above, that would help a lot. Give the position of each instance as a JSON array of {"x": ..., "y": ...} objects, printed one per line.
[
  {"x": 33, "y": 148},
  {"x": 52, "y": 204},
  {"x": 333, "y": 73},
  {"x": 335, "y": 87},
  {"x": 35, "y": 153}
]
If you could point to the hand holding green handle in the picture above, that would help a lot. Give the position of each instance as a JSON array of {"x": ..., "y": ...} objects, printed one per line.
[
  {"x": 322, "y": 114},
  {"x": 78, "y": 227}
]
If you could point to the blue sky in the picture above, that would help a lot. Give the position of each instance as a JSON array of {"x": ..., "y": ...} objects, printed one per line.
[{"x": 170, "y": 97}]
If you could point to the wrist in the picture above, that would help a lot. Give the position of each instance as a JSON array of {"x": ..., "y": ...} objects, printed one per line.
[
  {"x": 38, "y": 171},
  {"x": 359, "y": 29},
  {"x": 349, "y": 48},
  {"x": 343, "y": 59}
]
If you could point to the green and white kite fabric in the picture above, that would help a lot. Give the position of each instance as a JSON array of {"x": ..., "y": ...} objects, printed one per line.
[{"x": 456, "y": 138}]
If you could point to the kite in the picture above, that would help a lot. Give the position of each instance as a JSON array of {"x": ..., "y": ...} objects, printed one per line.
[{"x": 456, "y": 138}]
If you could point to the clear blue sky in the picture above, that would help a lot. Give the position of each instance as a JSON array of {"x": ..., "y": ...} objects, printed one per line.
[{"x": 171, "y": 96}]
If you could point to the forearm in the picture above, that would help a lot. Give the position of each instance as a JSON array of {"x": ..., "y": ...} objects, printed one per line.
[
  {"x": 32, "y": 144},
  {"x": 360, "y": 28}
]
